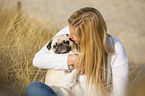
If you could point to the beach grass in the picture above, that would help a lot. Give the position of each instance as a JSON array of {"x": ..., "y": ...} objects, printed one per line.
[{"x": 21, "y": 37}]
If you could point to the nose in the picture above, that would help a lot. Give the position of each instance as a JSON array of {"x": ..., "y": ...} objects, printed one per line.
[
  {"x": 69, "y": 36},
  {"x": 60, "y": 45}
]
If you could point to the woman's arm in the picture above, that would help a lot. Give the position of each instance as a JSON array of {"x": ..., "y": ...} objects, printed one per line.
[
  {"x": 47, "y": 60},
  {"x": 120, "y": 78},
  {"x": 120, "y": 70}
]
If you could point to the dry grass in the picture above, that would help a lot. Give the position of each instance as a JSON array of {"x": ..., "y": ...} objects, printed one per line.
[
  {"x": 136, "y": 82},
  {"x": 20, "y": 38}
]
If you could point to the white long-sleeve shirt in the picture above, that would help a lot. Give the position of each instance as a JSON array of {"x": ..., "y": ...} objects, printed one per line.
[{"x": 117, "y": 62}]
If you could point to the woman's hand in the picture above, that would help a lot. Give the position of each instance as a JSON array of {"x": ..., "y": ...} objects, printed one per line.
[{"x": 74, "y": 60}]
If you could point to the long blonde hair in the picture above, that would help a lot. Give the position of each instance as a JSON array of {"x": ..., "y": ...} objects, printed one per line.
[{"x": 91, "y": 29}]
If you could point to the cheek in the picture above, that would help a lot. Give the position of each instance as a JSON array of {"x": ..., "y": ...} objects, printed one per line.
[{"x": 76, "y": 39}]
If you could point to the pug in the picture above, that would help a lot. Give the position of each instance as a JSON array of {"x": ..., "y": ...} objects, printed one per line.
[
  {"x": 62, "y": 45},
  {"x": 62, "y": 81}
]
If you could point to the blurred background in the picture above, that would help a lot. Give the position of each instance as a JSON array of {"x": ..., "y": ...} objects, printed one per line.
[{"x": 27, "y": 25}]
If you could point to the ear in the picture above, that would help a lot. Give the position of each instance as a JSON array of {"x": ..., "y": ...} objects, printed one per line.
[
  {"x": 67, "y": 35},
  {"x": 49, "y": 45}
]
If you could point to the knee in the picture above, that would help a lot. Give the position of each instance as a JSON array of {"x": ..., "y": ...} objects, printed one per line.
[
  {"x": 33, "y": 84},
  {"x": 38, "y": 88},
  {"x": 33, "y": 87}
]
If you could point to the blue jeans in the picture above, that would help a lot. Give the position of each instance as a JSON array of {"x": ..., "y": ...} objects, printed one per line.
[{"x": 39, "y": 89}]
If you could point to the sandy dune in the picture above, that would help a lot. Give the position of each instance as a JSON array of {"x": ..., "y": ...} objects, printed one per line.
[{"x": 125, "y": 19}]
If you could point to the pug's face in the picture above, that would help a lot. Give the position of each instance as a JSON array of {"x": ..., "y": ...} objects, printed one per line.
[{"x": 61, "y": 44}]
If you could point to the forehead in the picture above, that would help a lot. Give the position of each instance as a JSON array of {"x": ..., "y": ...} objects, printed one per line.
[
  {"x": 71, "y": 29},
  {"x": 60, "y": 38}
]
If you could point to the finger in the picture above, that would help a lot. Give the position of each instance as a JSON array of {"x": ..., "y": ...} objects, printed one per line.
[{"x": 82, "y": 72}]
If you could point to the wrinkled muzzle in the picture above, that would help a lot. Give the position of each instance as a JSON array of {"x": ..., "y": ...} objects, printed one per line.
[{"x": 62, "y": 48}]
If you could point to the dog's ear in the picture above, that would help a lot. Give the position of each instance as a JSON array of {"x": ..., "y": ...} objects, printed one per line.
[
  {"x": 49, "y": 45},
  {"x": 67, "y": 35}
]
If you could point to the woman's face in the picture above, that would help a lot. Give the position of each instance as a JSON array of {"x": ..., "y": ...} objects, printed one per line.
[{"x": 72, "y": 35}]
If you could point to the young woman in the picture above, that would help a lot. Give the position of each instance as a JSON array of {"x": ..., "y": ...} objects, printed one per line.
[{"x": 102, "y": 63}]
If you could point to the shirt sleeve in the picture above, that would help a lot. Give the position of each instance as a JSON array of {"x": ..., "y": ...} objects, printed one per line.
[
  {"x": 48, "y": 60},
  {"x": 120, "y": 70}
]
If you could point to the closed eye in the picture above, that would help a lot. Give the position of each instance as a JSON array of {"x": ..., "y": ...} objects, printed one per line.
[
  {"x": 71, "y": 40},
  {"x": 64, "y": 41}
]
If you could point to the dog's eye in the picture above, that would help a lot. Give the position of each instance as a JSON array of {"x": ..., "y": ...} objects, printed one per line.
[
  {"x": 67, "y": 42},
  {"x": 60, "y": 44},
  {"x": 54, "y": 46},
  {"x": 64, "y": 41}
]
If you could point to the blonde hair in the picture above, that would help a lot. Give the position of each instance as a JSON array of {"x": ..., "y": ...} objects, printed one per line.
[{"x": 91, "y": 29}]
